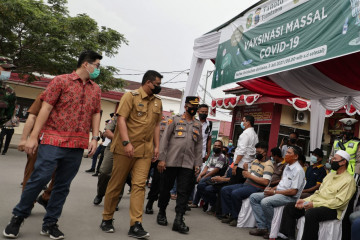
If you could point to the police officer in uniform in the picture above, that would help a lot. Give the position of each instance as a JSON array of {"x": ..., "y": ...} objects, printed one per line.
[
  {"x": 154, "y": 192},
  {"x": 180, "y": 155},
  {"x": 135, "y": 145},
  {"x": 350, "y": 143},
  {"x": 7, "y": 93}
]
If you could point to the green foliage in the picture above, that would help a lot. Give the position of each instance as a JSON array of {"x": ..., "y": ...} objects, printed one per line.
[{"x": 42, "y": 37}]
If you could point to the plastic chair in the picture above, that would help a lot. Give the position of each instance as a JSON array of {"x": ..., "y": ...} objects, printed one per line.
[
  {"x": 276, "y": 221},
  {"x": 246, "y": 217}
]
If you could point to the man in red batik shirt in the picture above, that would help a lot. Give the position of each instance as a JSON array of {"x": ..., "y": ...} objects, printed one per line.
[{"x": 70, "y": 108}]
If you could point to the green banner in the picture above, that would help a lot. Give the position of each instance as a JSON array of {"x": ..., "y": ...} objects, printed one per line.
[
  {"x": 280, "y": 35},
  {"x": 214, "y": 135}
]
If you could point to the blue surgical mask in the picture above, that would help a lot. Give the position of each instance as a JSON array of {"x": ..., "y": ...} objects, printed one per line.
[
  {"x": 313, "y": 159},
  {"x": 5, "y": 75},
  {"x": 242, "y": 125},
  {"x": 328, "y": 165},
  {"x": 272, "y": 159},
  {"x": 95, "y": 73}
]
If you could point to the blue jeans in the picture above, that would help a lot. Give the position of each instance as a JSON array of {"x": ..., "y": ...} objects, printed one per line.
[
  {"x": 210, "y": 194},
  {"x": 99, "y": 149},
  {"x": 232, "y": 197},
  {"x": 263, "y": 208},
  {"x": 200, "y": 190},
  {"x": 66, "y": 161},
  {"x": 355, "y": 229}
]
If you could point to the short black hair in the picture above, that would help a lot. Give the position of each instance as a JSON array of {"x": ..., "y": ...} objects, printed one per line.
[
  {"x": 276, "y": 152},
  {"x": 151, "y": 75},
  {"x": 262, "y": 145},
  {"x": 297, "y": 150},
  {"x": 88, "y": 56},
  {"x": 219, "y": 142},
  {"x": 250, "y": 119},
  {"x": 225, "y": 148},
  {"x": 295, "y": 133},
  {"x": 203, "y": 106},
  {"x": 301, "y": 158}
]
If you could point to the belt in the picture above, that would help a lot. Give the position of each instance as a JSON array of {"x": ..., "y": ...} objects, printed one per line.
[{"x": 8, "y": 127}]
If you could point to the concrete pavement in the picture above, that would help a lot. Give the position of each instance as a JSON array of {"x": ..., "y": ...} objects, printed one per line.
[{"x": 81, "y": 219}]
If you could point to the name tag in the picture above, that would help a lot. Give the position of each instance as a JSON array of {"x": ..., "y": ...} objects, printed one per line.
[{"x": 351, "y": 145}]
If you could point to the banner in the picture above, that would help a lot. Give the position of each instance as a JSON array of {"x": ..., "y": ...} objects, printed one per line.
[{"x": 280, "y": 35}]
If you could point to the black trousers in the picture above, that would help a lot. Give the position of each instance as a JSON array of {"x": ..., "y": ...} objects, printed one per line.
[
  {"x": 8, "y": 133},
  {"x": 156, "y": 183},
  {"x": 313, "y": 217},
  {"x": 184, "y": 183},
  {"x": 100, "y": 159}
]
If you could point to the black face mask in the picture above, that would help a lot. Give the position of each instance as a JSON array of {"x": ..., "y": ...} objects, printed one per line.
[
  {"x": 224, "y": 152},
  {"x": 292, "y": 140},
  {"x": 259, "y": 156},
  {"x": 217, "y": 150},
  {"x": 347, "y": 135},
  {"x": 203, "y": 116},
  {"x": 156, "y": 90},
  {"x": 335, "y": 166},
  {"x": 192, "y": 110}
]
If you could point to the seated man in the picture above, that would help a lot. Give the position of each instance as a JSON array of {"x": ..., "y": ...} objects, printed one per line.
[
  {"x": 287, "y": 191},
  {"x": 314, "y": 174},
  {"x": 279, "y": 165},
  {"x": 213, "y": 166},
  {"x": 257, "y": 179},
  {"x": 325, "y": 204}
]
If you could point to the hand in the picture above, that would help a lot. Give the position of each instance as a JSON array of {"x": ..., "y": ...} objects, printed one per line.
[
  {"x": 308, "y": 206},
  {"x": 155, "y": 155},
  {"x": 197, "y": 170},
  {"x": 198, "y": 178},
  {"x": 233, "y": 170},
  {"x": 246, "y": 166},
  {"x": 31, "y": 145},
  {"x": 161, "y": 166},
  {"x": 129, "y": 150},
  {"x": 299, "y": 203},
  {"x": 92, "y": 147},
  {"x": 215, "y": 179},
  {"x": 21, "y": 146},
  {"x": 246, "y": 174},
  {"x": 269, "y": 192},
  {"x": 206, "y": 158}
]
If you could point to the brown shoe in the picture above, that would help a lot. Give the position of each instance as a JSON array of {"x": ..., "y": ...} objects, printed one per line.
[
  {"x": 259, "y": 232},
  {"x": 266, "y": 236},
  {"x": 228, "y": 219}
]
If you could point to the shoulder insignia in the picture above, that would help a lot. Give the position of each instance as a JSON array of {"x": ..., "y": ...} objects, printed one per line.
[
  {"x": 170, "y": 121},
  {"x": 157, "y": 96},
  {"x": 134, "y": 93},
  {"x": 181, "y": 121}
]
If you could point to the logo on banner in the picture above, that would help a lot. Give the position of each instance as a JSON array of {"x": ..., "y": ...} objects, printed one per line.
[
  {"x": 257, "y": 16},
  {"x": 249, "y": 21},
  {"x": 355, "y": 12}
]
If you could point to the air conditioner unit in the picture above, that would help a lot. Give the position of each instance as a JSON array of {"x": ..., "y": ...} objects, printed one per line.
[{"x": 301, "y": 117}]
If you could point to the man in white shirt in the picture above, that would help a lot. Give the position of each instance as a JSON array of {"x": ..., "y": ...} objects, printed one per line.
[
  {"x": 245, "y": 151},
  {"x": 203, "y": 111},
  {"x": 288, "y": 190}
]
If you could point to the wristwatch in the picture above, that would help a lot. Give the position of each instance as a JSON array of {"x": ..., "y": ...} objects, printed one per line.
[
  {"x": 124, "y": 143},
  {"x": 97, "y": 138}
]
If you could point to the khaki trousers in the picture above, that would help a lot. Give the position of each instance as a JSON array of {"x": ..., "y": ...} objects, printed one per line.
[{"x": 122, "y": 166}]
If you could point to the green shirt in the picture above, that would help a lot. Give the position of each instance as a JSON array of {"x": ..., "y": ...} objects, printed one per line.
[{"x": 7, "y": 103}]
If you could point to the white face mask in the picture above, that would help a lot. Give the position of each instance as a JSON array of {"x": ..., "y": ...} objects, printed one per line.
[{"x": 5, "y": 75}]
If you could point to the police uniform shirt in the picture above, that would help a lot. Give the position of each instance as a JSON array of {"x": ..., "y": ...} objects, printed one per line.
[
  {"x": 181, "y": 144},
  {"x": 143, "y": 113}
]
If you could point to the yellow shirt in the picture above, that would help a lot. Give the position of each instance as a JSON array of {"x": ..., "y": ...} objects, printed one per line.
[
  {"x": 142, "y": 113},
  {"x": 335, "y": 192}
]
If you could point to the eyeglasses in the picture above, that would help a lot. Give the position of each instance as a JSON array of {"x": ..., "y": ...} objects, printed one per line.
[{"x": 96, "y": 65}]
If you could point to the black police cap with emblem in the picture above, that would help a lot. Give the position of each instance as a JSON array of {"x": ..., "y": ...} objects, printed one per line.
[
  {"x": 192, "y": 100},
  {"x": 6, "y": 62}
]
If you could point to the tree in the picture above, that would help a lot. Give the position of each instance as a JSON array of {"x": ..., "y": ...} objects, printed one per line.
[{"x": 42, "y": 37}]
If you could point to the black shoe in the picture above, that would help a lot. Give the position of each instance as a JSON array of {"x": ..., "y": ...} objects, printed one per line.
[
  {"x": 52, "y": 230},
  {"x": 205, "y": 207},
  {"x": 12, "y": 229},
  {"x": 3, "y": 153},
  {"x": 179, "y": 224},
  {"x": 188, "y": 208},
  {"x": 149, "y": 211},
  {"x": 97, "y": 200},
  {"x": 90, "y": 170},
  {"x": 137, "y": 231},
  {"x": 107, "y": 226},
  {"x": 161, "y": 218},
  {"x": 95, "y": 174},
  {"x": 41, "y": 201}
]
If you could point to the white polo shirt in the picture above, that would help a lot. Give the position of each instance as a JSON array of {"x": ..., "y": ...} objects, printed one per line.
[{"x": 293, "y": 177}]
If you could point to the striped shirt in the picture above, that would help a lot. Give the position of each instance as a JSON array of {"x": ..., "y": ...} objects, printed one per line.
[{"x": 262, "y": 170}]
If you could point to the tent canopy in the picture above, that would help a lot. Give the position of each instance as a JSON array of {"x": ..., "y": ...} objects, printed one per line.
[{"x": 306, "y": 47}]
